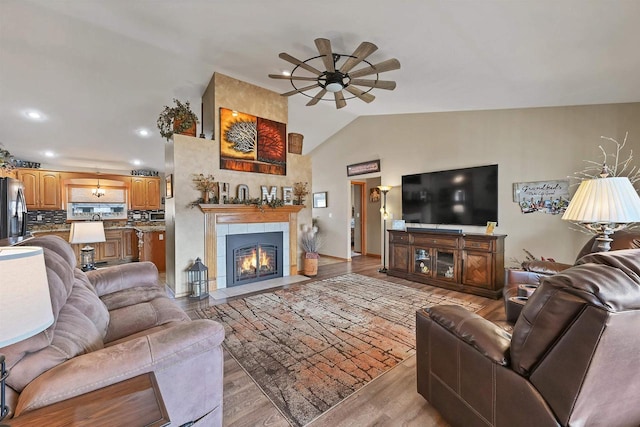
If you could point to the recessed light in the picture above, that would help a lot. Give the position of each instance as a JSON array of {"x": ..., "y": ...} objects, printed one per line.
[
  {"x": 143, "y": 132},
  {"x": 49, "y": 154},
  {"x": 34, "y": 115},
  {"x": 286, "y": 73},
  {"x": 136, "y": 162}
]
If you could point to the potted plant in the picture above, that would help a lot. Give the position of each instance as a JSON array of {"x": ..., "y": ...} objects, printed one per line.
[
  {"x": 179, "y": 119},
  {"x": 310, "y": 244}
]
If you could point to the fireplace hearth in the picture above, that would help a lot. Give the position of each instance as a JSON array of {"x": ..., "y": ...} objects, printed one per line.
[{"x": 253, "y": 257}]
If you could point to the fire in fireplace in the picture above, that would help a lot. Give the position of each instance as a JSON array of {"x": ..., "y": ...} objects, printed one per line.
[{"x": 253, "y": 257}]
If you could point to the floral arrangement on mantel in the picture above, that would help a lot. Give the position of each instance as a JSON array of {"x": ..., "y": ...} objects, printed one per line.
[
  {"x": 204, "y": 182},
  {"x": 300, "y": 190},
  {"x": 176, "y": 119}
]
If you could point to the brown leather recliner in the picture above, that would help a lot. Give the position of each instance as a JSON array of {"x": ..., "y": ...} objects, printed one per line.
[
  {"x": 573, "y": 358},
  {"x": 533, "y": 272}
]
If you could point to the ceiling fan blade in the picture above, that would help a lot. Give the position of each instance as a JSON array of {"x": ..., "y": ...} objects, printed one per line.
[
  {"x": 381, "y": 67},
  {"x": 324, "y": 48},
  {"x": 340, "y": 102},
  {"x": 316, "y": 98},
  {"x": 365, "y": 49},
  {"x": 295, "y": 61},
  {"x": 366, "y": 97},
  {"x": 282, "y": 77},
  {"x": 378, "y": 84},
  {"x": 302, "y": 89}
]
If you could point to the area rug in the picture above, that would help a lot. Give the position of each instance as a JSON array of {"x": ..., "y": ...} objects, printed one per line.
[{"x": 312, "y": 345}]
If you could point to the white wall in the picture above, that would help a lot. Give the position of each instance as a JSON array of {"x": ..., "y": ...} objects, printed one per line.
[{"x": 534, "y": 144}]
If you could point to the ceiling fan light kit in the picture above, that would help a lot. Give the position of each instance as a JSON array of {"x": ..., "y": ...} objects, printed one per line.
[{"x": 337, "y": 76}]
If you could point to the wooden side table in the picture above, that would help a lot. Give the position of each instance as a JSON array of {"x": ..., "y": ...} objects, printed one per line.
[{"x": 133, "y": 402}]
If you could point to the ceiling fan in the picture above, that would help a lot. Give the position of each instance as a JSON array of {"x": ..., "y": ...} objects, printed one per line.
[{"x": 338, "y": 75}]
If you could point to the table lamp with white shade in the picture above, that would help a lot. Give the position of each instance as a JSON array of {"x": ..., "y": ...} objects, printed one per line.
[
  {"x": 25, "y": 304},
  {"x": 87, "y": 232},
  {"x": 604, "y": 206}
]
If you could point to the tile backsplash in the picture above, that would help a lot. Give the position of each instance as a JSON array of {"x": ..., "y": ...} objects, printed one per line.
[{"x": 60, "y": 216}]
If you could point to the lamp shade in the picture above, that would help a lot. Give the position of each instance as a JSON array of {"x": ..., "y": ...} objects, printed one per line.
[
  {"x": 604, "y": 201},
  {"x": 385, "y": 188},
  {"x": 25, "y": 304},
  {"x": 87, "y": 232}
]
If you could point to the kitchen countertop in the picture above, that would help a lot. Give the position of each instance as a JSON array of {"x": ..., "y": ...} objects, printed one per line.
[{"x": 145, "y": 227}]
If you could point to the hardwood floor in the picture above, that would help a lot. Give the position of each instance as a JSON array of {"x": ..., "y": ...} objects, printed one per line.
[{"x": 389, "y": 400}]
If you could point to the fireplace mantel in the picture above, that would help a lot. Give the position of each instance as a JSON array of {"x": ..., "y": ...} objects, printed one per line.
[{"x": 237, "y": 214}]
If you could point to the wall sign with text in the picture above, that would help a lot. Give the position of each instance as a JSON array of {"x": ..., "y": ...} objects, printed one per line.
[
  {"x": 550, "y": 197},
  {"x": 363, "y": 168}
]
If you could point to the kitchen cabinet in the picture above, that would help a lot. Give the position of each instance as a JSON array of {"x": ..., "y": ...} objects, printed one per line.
[
  {"x": 41, "y": 189},
  {"x": 471, "y": 263},
  {"x": 111, "y": 249},
  {"x": 145, "y": 193},
  {"x": 153, "y": 248},
  {"x": 129, "y": 245},
  {"x": 4, "y": 173}
]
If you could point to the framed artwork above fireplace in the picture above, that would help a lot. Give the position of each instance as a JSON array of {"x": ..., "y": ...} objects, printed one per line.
[{"x": 252, "y": 144}]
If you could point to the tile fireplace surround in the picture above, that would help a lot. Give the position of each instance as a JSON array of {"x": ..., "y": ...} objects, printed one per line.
[{"x": 221, "y": 220}]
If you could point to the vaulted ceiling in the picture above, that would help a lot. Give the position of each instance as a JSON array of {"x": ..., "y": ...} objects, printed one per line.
[{"x": 98, "y": 71}]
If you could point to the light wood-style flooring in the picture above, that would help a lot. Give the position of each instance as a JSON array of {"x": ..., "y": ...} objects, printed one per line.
[{"x": 389, "y": 400}]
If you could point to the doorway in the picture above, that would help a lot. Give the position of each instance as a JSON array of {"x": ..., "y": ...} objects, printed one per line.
[{"x": 358, "y": 219}]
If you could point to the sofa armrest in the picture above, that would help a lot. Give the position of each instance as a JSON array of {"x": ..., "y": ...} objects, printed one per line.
[
  {"x": 547, "y": 268},
  {"x": 489, "y": 339},
  {"x": 156, "y": 352},
  {"x": 124, "y": 276}
]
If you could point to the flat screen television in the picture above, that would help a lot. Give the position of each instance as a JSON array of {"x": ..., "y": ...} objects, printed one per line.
[{"x": 458, "y": 197}]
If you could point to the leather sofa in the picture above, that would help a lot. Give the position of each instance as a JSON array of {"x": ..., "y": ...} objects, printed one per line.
[
  {"x": 113, "y": 324},
  {"x": 572, "y": 359},
  {"x": 533, "y": 272}
]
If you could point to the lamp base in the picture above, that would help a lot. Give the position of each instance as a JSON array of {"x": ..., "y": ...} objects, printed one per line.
[{"x": 603, "y": 243}]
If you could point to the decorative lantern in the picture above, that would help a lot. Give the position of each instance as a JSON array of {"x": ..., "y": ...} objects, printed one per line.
[{"x": 198, "y": 276}]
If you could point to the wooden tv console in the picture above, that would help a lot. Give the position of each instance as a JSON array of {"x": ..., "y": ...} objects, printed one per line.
[{"x": 465, "y": 262}]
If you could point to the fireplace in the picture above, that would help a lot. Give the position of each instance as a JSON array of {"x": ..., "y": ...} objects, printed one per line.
[{"x": 254, "y": 257}]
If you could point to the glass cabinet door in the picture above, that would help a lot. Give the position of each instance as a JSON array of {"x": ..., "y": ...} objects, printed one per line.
[
  {"x": 422, "y": 261},
  {"x": 445, "y": 264}
]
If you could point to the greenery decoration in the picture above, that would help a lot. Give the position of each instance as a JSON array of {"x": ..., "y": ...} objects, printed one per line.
[
  {"x": 181, "y": 116},
  {"x": 257, "y": 202},
  {"x": 6, "y": 159}
]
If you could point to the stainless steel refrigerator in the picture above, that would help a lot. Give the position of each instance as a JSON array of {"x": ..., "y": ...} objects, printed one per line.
[{"x": 13, "y": 209}]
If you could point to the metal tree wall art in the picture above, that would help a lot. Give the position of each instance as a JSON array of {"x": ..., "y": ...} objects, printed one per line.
[{"x": 252, "y": 144}]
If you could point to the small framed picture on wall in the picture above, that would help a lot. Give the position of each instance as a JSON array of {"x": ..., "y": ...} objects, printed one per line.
[
  {"x": 320, "y": 200},
  {"x": 169, "y": 185}
]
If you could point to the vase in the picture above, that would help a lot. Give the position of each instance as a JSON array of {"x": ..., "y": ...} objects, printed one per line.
[
  {"x": 205, "y": 197},
  {"x": 310, "y": 264}
]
